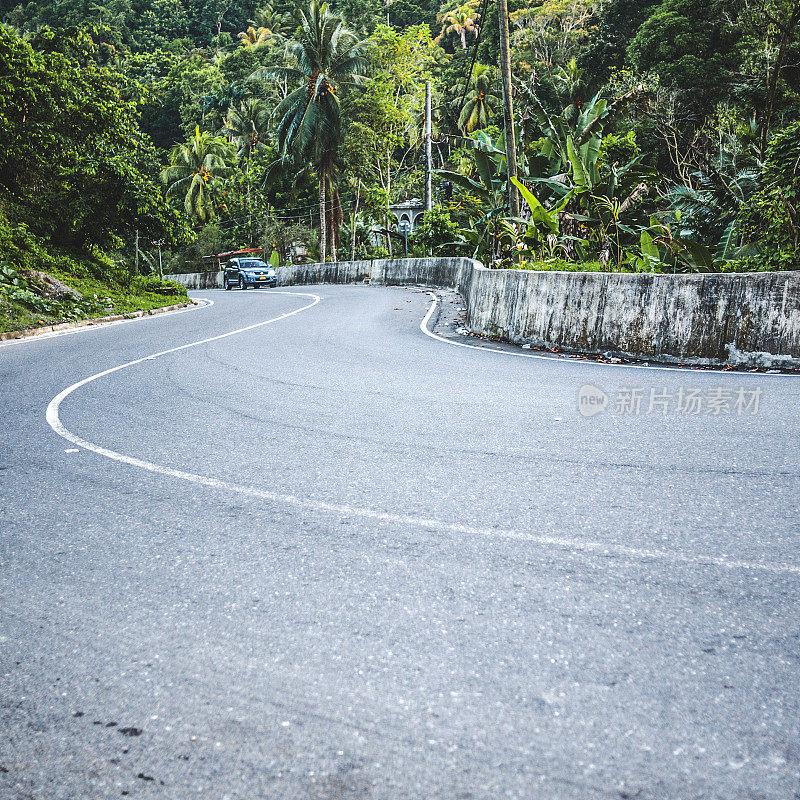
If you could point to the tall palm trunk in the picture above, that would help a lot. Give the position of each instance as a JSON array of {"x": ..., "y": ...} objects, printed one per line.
[
  {"x": 332, "y": 224},
  {"x": 249, "y": 211},
  {"x": 388, "y": 198},
  {"x": 336, "y": 222},
  {"x": 322, "y": 216},
  {"x": 353, "y": 225},
  {"x": 330, "y": 221}
]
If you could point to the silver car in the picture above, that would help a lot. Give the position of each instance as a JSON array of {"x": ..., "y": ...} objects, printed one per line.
[{"x": 244, "y": 272}]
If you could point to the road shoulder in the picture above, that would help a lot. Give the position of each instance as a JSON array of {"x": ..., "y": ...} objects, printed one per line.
[{"x": 83, "y": 323}]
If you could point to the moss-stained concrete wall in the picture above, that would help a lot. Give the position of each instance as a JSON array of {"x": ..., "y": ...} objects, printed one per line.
[
  {"x": 741, "y": 319},
  {"x": 749, "y": 319},
  {"x": 198, "y": 280}
]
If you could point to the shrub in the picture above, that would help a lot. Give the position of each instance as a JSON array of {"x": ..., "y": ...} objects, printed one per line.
[
  {"x": 156, "y": 285},
  {"x": 560, "y": 265},
  {"x": 772, "y": 219},
  {"x": 437, "y": 229}
]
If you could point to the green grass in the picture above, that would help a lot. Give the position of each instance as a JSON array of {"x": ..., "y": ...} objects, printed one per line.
[
  {"x": 560, "y": 265},
  {"x": 101, "y": 298},
  {"x": 108, "y": 288}
]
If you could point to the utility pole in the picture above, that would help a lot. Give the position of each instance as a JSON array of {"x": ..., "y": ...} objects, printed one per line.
[
  {"x": 508, "y": 107},
  {"x": 428, "y": 159},
  {"x": 159, "y": 243},
  {"x": 136, "y": 257}
]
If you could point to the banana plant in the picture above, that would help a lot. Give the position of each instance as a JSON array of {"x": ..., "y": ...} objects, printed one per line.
[
  {"x": 543, "y": 221},
  {"x": 491, "y": 191},
  {"x": 581, "y": 123},
  {"x": 659, "y": 250}
]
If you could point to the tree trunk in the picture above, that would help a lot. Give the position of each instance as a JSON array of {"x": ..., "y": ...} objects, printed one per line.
[
  {"x": 339, "y": 219},
  {"x": 249, "y": 212},
  {"x": 388, "y": 198},
  {"x": 332, "y": 232},
  {"x": 508, "y": 107},
  {"x": 353, "y": 225},
  {"x": 322, "y": 216},
  {"x": 786, "y": 34}
]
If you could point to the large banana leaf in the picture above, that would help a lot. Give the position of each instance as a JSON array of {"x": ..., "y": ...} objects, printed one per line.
[
  {"x": 701, "y": 255},
  {"x": 486, "y": 169},
  {"x": 528, "y": 195},
  {"x": 648, "y": 246},
  {"x": 591, "y": 119},
  {"x": 589, "y": 153},
  {"x": 483, "y": 142},
  {"x": 557, "y": 187},
  {"x": 580, "y": 176},
  {"x": 465, "y": 183},
  {"x": 539, "y": 213}
]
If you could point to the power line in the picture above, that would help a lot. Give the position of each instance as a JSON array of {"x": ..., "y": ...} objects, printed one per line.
[
  {"x": 309, "y": 209},
  {"x": 246, "y": 218}
]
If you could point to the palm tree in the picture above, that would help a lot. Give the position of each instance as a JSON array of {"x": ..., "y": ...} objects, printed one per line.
[
  {"x": 480, "y": 103},
  {"x": 194, "y": 168},
  {"x": 327, "y": 58},
  {"x": 254, "y": 37},
  {"x": 570, "y": 82},
  {"x": 460, "y": 20},
  {"x": 266, "y": 19},
  {"x": 246, "y": 128},
  {"x": 262, "y": 17}
]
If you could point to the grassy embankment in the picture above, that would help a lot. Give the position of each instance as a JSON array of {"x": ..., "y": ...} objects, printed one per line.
[{"x": 28, "y": 300}]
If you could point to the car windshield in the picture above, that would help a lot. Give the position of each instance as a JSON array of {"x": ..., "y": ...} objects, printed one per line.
[{"x": 253, "y": 265}]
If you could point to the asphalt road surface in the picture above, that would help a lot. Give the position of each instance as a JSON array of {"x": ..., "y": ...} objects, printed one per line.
[{"x": 333, "y": 557}]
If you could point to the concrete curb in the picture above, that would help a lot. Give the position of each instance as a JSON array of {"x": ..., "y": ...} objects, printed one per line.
[{"x": 82, "y": 323}]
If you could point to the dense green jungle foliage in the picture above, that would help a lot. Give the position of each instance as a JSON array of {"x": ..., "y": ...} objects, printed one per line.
[{"x": 652, "y": 136}]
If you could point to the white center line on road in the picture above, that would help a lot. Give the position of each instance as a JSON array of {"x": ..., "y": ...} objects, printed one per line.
[
  {"x": 562, "y": 542},
  {"x": 428, "y": 332}
]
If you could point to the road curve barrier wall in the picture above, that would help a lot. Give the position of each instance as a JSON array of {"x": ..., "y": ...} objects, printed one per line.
[
  {"x": 199, "y": 280},
  {"x": 741, "y": 319}
]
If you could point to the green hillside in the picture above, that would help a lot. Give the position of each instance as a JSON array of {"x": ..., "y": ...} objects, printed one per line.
[{"x": 651, "y": 136}]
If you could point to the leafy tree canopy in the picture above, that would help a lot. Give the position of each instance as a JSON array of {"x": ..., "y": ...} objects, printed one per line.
[
  {"x": 693, "y": 47},
  {"x": 74, "y": 166}
]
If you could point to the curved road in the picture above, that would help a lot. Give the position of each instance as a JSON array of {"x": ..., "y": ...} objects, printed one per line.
[{"x": 329, "y": 556}]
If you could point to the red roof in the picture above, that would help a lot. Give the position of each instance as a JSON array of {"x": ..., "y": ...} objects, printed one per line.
[{"x": 237, "y": 252}]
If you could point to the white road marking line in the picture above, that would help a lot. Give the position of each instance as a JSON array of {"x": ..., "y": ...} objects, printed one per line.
[
  {"x": 100, "y": 325},
  {"x": 72, "y": 450},
  {"x": 561, "y": 542},
  {"x": 424, "y": 328},
  {"x": 52, "y": 408}
]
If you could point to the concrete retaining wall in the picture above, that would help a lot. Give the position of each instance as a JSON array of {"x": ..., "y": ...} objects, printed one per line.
[
  {"x": 747, "y": 319},
  {"x": 198, "y": 280}
]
